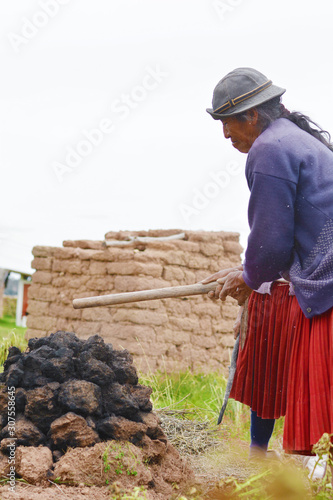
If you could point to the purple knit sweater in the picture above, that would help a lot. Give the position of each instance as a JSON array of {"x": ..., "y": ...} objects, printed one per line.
[{"x": 290, "y": 176}]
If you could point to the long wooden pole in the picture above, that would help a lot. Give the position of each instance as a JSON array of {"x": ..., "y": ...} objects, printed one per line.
[{"x": 157, "y": 293}]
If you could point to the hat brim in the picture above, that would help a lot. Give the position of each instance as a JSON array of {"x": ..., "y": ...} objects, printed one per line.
[{"x": 252, "y": 102}]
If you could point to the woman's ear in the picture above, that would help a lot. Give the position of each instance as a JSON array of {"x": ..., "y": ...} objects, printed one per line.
[{"x": 252, "y": 116}]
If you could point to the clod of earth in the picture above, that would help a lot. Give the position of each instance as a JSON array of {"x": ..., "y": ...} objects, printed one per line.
[{"x": 79, "y": 404}]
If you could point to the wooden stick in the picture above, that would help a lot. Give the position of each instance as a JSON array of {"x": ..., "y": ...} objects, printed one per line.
[{"x": 157, "y": 293}]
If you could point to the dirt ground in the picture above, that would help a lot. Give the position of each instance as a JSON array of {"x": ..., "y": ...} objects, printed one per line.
[
  {"x": 213, "y": 470},
  {"x": 209, "y": 470},
  {"x": 54, "y": 492}
]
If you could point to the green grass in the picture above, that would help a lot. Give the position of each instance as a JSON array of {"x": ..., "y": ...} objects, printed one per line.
[
  {"x": 201, "y": 396},
  {"x": 10, "y": 335},
  {"x": 8, "y": 325}
]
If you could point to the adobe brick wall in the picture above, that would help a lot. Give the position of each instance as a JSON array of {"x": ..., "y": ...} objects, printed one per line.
[{"x": 170, "y": 334}]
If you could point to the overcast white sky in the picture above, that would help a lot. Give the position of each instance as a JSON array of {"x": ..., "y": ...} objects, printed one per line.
[{"x": 143, "y": 73}]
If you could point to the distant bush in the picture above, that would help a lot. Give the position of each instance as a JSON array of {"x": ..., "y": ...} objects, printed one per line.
[{"x": 9, "y": 306}]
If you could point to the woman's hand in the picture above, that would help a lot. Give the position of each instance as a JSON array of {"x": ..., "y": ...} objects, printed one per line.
[
  {"x": 219, "y": 275},
  {"x": 234, "y": 285}
]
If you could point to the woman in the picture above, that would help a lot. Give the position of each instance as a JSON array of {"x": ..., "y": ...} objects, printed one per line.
[{"x": 289, "y": 171}]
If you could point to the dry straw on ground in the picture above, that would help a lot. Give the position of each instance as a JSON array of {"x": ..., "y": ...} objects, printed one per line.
[{"x": 190, "y": 437}]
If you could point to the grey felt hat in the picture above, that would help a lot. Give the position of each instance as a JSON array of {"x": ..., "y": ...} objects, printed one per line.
[{"x": 240, "y": 90}]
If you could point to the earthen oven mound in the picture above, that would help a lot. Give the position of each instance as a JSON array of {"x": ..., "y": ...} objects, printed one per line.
[{"x": 82, "y": 417}]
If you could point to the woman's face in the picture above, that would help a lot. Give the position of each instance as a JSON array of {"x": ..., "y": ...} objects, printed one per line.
[{"x": 242, "y": 133}]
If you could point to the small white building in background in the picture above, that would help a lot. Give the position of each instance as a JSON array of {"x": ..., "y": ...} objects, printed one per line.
[
  {"x": 22, "y": 300},
  {"x": 3, "y": 276},
  {"x": 15, "y": 258},
  {"x": 24, "y": 281}
]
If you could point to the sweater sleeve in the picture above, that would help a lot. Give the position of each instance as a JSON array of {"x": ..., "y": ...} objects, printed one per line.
[{"x": 271, "y": 220}]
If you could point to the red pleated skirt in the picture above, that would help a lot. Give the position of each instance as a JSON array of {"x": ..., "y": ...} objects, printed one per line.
[
  {"x": 310, "y": 389},
  {"x": 286, "y": 368},
  {"x": 261, "y": 376}
]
